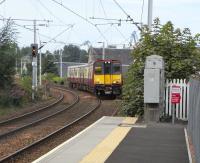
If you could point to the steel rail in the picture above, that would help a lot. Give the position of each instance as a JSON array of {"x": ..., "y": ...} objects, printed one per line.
[
  {"x": 33, "y": 112},
  {"x": 50, "y": 136},
  {"x": 41, "y": 119}
]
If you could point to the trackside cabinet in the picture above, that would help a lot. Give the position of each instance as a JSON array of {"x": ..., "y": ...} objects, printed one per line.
[{"x": 154, "y": 88}]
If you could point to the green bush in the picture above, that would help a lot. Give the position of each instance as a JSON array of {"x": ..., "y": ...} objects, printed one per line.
[
  {"x": 52, "y": 78},
  {"x": 12, "y": 96},
  {"x": 49, "y": 77},
  {"x": 178, "y": 49},
  {"x": 26, "y": 84},
  {"x": 58, "y": 80}
]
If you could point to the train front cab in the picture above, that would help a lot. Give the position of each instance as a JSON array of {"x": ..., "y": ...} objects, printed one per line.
[{"x": 107, "y": 77}]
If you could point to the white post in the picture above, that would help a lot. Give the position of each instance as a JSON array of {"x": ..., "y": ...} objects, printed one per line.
[
  {"x": 173, "y": 113},
  {"x": 16, "y": 62},
  {"x": 21, "y": 66},
  {"x": 40, "y": 78},
  {"x": 61, "y": 75},
  {"x": 34, "y": 66},
  {"x": 150, "y": 10},
  {"x": 103, "y": 54}
]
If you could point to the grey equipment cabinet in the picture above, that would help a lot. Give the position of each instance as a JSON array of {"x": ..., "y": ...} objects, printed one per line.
[{"x": 154, "y": 88}]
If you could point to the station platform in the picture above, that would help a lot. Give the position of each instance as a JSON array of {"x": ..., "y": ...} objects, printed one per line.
[{"x": 121, "y": 139}]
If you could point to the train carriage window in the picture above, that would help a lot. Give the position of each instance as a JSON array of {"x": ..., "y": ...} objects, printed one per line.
[
  {"x": 98, "y": 68},
  {"x": 107, "y": 68},
  {"x": 116, "y": 68}
]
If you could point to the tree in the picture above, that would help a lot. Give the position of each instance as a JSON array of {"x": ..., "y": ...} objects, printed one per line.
[
  {"x": 25, "y": 51},
  {"x": 7, "y": 54},
  {"x": 176, "y": 46},
  {"x": 83, "y": 56},
  {"x": 72, "y": 53},
  {"x": 48, "y": 64}
]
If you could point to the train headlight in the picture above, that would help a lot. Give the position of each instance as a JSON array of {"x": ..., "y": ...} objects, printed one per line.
[{"x": 97, "y": 80}]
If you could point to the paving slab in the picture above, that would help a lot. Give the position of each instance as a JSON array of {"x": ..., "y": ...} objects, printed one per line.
[{"x": 73, "y": 150}]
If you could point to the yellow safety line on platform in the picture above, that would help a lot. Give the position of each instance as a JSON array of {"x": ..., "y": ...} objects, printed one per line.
[{"x": 103, "y": 150}]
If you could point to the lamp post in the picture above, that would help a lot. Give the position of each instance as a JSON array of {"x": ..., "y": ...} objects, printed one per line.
[
  {"x": 103, "y": 50},
  {"x": 61, "y": 74}
]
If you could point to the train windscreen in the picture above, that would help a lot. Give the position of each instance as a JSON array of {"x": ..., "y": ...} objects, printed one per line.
[
  {"x": 107, "y": 68},
  {"x": 116, "y": 68}
]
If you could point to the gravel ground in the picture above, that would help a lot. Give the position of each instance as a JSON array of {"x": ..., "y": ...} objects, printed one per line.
[
  {"x": 29, "y": 135},
  {"x": 107, "y": 108},
  {"x": 30, "y": 107},
  {"x": 19, "y": 139},
  {"x": 5, "y": 128}
]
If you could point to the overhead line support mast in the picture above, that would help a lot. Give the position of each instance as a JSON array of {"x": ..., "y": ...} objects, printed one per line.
[{"x": 34, "y": 48}]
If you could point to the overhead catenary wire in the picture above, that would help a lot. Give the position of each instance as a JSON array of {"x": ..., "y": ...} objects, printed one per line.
[
  {"x": 2, "y": 2},
  {"x": 51, "y": 13},
  {"x": 128, "y": 16},
  {"x": 104, "y": 11},
  {"x": 31, "y": 30},
  {"x": 56, "y": 36},
  {"x": 83, "y": 18},
  {"x": 37, "y": 11}
]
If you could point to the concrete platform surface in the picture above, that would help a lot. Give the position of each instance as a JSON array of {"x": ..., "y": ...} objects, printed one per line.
[
  {"x": 73, "y": 150},
  {"x": 154, "y": 144},
  {"x": 120, "y": 140}
]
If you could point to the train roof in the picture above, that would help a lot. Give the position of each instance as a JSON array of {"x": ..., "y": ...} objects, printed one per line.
[
  {"x": 78, "y": 66},
  {"x": 107, "y": 60},
  {"x": 99, "y": 60}
]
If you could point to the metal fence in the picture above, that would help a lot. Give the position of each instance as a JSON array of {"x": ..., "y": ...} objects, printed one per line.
[{"x": 194, "y": 117}]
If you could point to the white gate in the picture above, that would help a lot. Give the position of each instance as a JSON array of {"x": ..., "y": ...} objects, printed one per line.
[{"x": 181, "y": 110}]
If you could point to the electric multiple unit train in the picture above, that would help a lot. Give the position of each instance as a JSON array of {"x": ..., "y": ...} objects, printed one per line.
[{"x": 101, "y": 77}]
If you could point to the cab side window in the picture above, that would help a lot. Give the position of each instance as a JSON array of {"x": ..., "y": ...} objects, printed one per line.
[
  {"x": 98, "y": 68},
  {"x": 116, "y": 68}
]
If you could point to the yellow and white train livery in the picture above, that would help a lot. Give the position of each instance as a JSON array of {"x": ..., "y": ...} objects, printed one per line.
[{"x": 101, "y": 77}]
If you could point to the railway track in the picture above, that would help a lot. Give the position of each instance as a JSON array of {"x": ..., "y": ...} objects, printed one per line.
[
  {"x": 10, "y": 157},
  {"x": 29, "y": 113},
  {"x": 10, "y": 126}
]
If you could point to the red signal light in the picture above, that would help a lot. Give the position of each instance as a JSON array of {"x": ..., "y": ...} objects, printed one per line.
[{"x": 34, "y": 50}]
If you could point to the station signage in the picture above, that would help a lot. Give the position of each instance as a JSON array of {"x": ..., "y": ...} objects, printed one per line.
[{"x": 175, "y": 94}]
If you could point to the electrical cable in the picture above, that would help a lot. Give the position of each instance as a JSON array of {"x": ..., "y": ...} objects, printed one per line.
[
  {"x": 128, "y": 16},
  {"x": 37, "y": 9},
  {"x": 104, "y": 11},
  {"x": 56, "y": 36},
  {"x": 51, "y": 13},
  {"x": 29, "y": 29},
  {"x": 122, "y": 8},
  {"x": 2, "y": 2},
  {"x": 83, "y": 18}
]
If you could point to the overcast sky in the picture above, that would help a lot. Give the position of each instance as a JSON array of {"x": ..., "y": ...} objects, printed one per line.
[{"x": 182, "y": 13}]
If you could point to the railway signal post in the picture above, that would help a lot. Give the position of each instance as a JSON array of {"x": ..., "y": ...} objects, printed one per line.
[{"x": 34, "y": 69}]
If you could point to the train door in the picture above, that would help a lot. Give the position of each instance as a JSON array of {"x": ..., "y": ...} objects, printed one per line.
[{"x": 107, "y": 73}]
